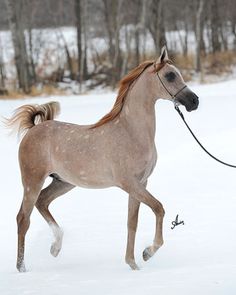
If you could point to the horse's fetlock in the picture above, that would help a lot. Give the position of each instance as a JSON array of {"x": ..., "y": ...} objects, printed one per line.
[
  {"x": 131, "y": 262},
  {"x": 158, "y": 244}
]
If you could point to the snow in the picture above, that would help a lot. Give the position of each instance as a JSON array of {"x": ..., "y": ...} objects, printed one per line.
[{"x": 197, "y": 258}]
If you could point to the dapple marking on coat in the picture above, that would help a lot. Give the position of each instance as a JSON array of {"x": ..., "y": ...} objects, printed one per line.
[{"x": 119, "y": 151}]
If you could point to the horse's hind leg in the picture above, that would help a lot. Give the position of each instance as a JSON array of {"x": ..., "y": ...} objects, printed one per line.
[
  {"x": 31, "y": 193},
  {"x": 47, "y": 195}
]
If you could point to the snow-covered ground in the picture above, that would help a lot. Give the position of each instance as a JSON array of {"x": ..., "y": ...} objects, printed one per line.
[{"x": 197, "y": 258}]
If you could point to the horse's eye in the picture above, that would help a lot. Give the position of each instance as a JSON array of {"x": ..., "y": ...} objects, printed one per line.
[{"x": 170, "y": 76}]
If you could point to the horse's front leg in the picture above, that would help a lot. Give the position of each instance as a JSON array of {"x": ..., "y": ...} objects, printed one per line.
[
  {"x": 133, "y": 210},
  {"x": 140, "y": 194}
]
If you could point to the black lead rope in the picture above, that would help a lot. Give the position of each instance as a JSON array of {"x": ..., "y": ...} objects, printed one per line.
[{"x": 194, "y": 136}]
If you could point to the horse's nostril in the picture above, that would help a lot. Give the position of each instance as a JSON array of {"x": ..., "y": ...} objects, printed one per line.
[{"x": 195, "y": 100}]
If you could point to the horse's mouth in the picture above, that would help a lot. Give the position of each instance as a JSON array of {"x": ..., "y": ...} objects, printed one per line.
[
  {"x": 192, "y": 107},
  {"x": 188, "y": 99}
]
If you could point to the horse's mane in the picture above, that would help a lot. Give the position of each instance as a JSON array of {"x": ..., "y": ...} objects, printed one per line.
[{"x": 125, "y": 84}]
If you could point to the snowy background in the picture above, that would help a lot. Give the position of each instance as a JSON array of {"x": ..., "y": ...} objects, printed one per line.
[
  {"x": 49, "y": 46},
  {"x": 197, "y": 258},
  {"x": 49, "y": 51}
]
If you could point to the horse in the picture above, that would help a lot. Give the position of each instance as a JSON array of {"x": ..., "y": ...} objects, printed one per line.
[{"x": 119, "y": 150}]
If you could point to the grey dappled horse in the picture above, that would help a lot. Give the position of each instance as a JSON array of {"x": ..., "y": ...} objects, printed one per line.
[{"x": 119, "y": 151}]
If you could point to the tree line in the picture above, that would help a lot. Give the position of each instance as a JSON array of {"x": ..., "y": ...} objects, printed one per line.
[{"x": 132, "y": 31}]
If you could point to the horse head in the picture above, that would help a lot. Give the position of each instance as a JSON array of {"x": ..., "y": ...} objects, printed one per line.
[{"x": 173, "y": 86}]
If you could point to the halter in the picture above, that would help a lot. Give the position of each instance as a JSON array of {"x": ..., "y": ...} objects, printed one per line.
[
  {"x": 176, "y": 103},
  {"x": 172, "y": 95}
]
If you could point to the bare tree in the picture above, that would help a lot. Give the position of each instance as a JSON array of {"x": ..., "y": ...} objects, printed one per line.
[
  {"x": 127, "y": 52},
  {"x": 68, "y": 55},
  {"x": 124, "y": 25},
  {"x": 78, "y": 14},
  {"x": 84, "y": 65},
  {"x": 143, "y": 24},
  {"x": 198, "y": 34},
  {"x": 156, "y": 23},
  {"x": 113, "y": 21},
  {"x": 183, "y": 38},
  {"x": 29, "y": 13},
  {"x": 215, "y": 42},
  {"x": 16, "y": 18},
  {"x": 138, "y": 28},
  {"x": 2, "y": 73},
  {"x": 233, "y": 28}
]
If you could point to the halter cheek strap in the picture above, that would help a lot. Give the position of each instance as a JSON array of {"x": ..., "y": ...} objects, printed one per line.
[{"x": 167, "y": 90}]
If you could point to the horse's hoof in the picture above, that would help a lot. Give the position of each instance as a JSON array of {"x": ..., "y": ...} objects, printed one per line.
[
  {"x": 134, "y": 266},
  {"x": 147, "y": 254},
  {"x": 55, "y": 250},
  {"x": 21, "y": 267}
]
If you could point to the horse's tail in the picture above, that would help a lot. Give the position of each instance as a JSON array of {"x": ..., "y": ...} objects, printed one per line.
[{"x": 27, "y": 116}]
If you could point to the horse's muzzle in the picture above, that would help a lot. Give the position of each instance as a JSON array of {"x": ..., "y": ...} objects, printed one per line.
[{"x": 187, "y": 98}]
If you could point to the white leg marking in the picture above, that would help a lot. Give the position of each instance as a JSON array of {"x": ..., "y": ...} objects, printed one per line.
[{"x": 56, "y": 245}]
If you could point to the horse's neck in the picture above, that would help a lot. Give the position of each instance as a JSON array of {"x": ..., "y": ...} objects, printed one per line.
[{"x": 139, "y": 113}]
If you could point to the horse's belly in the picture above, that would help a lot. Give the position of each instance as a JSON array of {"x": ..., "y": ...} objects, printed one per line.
[{"x": 86, "y": 178}]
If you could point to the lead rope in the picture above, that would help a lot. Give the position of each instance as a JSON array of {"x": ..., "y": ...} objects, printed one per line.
[{"x": 194, "y": 136}]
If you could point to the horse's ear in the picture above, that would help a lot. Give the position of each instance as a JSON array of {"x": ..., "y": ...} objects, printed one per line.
[{"x": 164, "y": 55}]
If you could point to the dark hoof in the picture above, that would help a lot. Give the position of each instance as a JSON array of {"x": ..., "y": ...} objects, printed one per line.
[{"x": 146, "y": 254}]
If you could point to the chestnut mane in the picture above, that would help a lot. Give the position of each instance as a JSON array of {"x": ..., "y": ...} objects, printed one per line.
[{"x": 125, "y": 84}]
